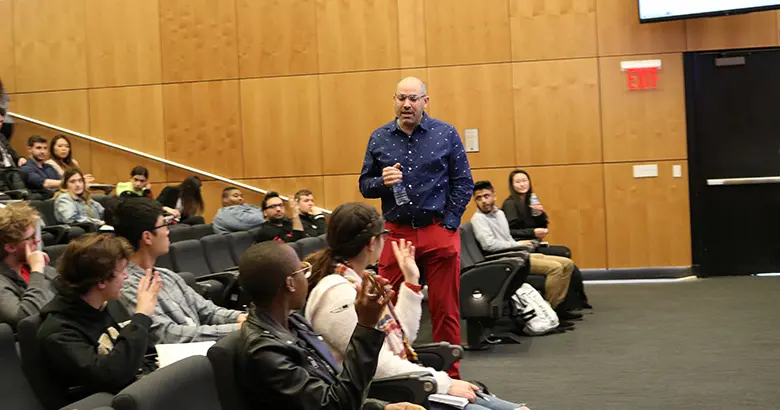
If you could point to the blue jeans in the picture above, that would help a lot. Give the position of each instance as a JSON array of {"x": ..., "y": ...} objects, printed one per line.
[{"x": 492, "y": 403}]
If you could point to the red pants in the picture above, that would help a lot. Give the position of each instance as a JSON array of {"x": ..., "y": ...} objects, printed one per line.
[{"x": 438, "y": 255}]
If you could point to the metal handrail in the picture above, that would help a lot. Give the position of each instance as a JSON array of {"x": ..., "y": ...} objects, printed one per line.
[{"x": 145, "y": 155}]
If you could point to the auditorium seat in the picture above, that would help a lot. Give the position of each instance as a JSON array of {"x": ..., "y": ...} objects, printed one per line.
[
  {"x": 309, "y": 246},
  {"x": 188, "y": 256},
  {"x": 164, "y": 261},
  {"x": 199, "y": 231},
  {"x": 54, "y": 252},
  {"x": 239, "y": 243},
  {"x": 187, "y": 384},
  {"x": 46, "y": 210},
  {"x": 15, "y": 390},
  {"x": 217, "y": 250},
  {"x": 222, "y": 356},
  {"x": 485, "y": 286},
  {"x": 180, "y": 232}
]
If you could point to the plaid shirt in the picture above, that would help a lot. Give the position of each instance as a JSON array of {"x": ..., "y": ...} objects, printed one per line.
[{"x": 181, "y": 314}]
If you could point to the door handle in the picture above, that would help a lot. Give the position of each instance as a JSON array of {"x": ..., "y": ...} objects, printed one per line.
[{"x": 744, "y": 181}]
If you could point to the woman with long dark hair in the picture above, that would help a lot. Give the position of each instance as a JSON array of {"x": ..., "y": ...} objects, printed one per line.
[
  {"x": 356, "y": 236},
  {"x": 528, "y": 220},
  {"x": 184, "y": 201}
]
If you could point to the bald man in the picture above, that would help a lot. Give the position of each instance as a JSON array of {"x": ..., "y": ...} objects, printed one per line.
[{"x": 426, "y": 158}]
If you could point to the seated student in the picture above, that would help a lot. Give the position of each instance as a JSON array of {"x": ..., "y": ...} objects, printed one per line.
[
  {"x": 277, "y": 226},
  {"x": 492, "y": 232},
  {"x": 11, "y": 177},
  {"x": 529, "y": 221},
  {"x": 184, "y": 201},
  {"x": 25, "y": 278},
  {"x": 181, "y": 315},
  {"x": 74, "y": 204},
  {"x": 236, "y": 215},
  {"x": 86, "y": 339},
  {"x": 356, "y": 236},
  {"x": 61, "y": 156},
  {"x": 138, "y": 186},
  {"x": 312, "y": 218},
  {"x": 41, "y": 178},
  {"x": 281, "y": 361}
]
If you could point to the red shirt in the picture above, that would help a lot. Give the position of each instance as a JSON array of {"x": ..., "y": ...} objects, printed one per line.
[{"x": 25, "y": 274}]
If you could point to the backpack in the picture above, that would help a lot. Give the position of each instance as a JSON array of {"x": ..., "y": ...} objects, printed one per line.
[{"x": 535, "y": 313}]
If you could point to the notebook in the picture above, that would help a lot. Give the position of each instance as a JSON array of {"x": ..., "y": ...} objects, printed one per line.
[
  {"x": 173, "y": 352},
  {"x": 454, "y": 401}
]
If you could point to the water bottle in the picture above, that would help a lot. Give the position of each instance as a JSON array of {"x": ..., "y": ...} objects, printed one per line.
[
  {"x": 399, "y": 192},
  {"x": 535, "y": 201}
]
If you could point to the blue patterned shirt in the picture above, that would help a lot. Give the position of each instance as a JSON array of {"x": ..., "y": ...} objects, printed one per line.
[{"x": 436, "y": 172}]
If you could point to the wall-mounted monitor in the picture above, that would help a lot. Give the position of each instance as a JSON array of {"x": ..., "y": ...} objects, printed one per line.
[{"x": 660, "y": 10}]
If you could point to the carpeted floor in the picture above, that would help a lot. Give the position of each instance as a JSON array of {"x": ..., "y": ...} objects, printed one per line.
[{"x": 704, "y": 344}]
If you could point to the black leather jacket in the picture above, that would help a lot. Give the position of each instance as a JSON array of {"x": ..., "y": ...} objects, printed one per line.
[{"x": 281, "y": 369}]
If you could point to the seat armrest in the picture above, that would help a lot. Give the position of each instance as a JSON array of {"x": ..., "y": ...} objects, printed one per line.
[
  {"x": 484, "y": 286},
  {"x": 60, "y": 232},
  {"x": 93, "y": 402},
  {"x": 412, "y": 387},
  {"x": 224, "y": 277},
  {"x": 440, "y": 356}
]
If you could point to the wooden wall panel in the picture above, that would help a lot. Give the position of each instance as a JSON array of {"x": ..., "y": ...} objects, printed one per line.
[
  {"x": 198, "y": 40},
  {"x": 477, "y": 97},
  {"x": 643, "y": 124},
  {"x": 68, "y": 109},
  {"x": 281, "y": 126},
  {"x": 411, "y": 33},
  {"x": 557, "y": 112},
  {"x": 277, "y": 37},
  {"x": 50, "y": 45},
  {"x": 132, "y": 117},
  {"x": 548, "y": 29},
  {"x": 357, "y": 35},
  {"x": 573, "y": 197},
  {"x": 341, "y": 189},
  {"x": 352, "y": 106},
  {"x": 7, "y": 74},
  {"x": 620, "y": 33},
  {"x": 739, "y": 31},
  {"x": 124, "y": 42},
  {"x": 467, "y": 32},
  {"x": 203, "y": 126},
  {"x": 648, "y": 219}
]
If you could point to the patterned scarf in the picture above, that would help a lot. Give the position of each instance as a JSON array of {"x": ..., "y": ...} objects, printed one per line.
[{"x": 388, "y": 323}]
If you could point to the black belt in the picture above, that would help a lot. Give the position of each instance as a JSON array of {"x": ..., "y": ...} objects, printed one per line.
[{"x": 421, "y": 221}]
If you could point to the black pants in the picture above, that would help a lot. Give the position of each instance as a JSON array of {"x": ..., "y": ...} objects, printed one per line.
[
  {"x": 8, "y": 130},
  {"x": 575, "y": 297},
  {"x": 193, "y": 220}
]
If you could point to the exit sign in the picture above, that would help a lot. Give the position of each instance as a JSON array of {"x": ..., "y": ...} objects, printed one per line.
[{"x": 641, "y": 75}]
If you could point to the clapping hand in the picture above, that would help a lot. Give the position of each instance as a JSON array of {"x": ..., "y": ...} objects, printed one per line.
[{"x": 404, "y": 254}]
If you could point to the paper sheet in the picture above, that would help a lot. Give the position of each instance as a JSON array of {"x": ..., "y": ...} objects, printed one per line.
[{"x": 171, "y": 353}]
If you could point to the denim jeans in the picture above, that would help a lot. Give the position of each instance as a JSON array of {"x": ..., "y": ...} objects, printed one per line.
[{"x": 491, "y": 403}]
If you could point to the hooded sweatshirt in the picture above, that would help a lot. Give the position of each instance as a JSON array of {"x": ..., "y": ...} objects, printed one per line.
[{"x": 88, "y": 350}]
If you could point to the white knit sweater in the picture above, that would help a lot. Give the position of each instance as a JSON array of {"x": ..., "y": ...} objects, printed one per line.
[{"x": 330, "y": 309}]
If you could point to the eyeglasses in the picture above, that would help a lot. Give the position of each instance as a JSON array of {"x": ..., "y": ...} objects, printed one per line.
[
  {"x": 306, "y": 270},
  {"x": 384, "y": 232},
  {"x": 411, "y": 97},
  {"x": 29, "y": 238},
  {"x": 275, "y": 206},
  {"x": 164, "y": 225}
]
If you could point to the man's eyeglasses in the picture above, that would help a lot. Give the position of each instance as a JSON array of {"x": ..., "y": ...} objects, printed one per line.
[
  {"x": 164, "y": 225},
  {"x": 411, "y": 97},
  {"x": 306, "y": 270},
  {"x": 275, "y": 206}
]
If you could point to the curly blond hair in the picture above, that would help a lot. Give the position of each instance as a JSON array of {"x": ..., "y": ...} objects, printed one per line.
[{"x": 14, "y": 221}]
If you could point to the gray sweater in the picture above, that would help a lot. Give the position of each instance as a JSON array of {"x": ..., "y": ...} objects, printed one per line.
[
  {"x": 492, "y": 231},
  {"x": 19, "y": 299}
]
